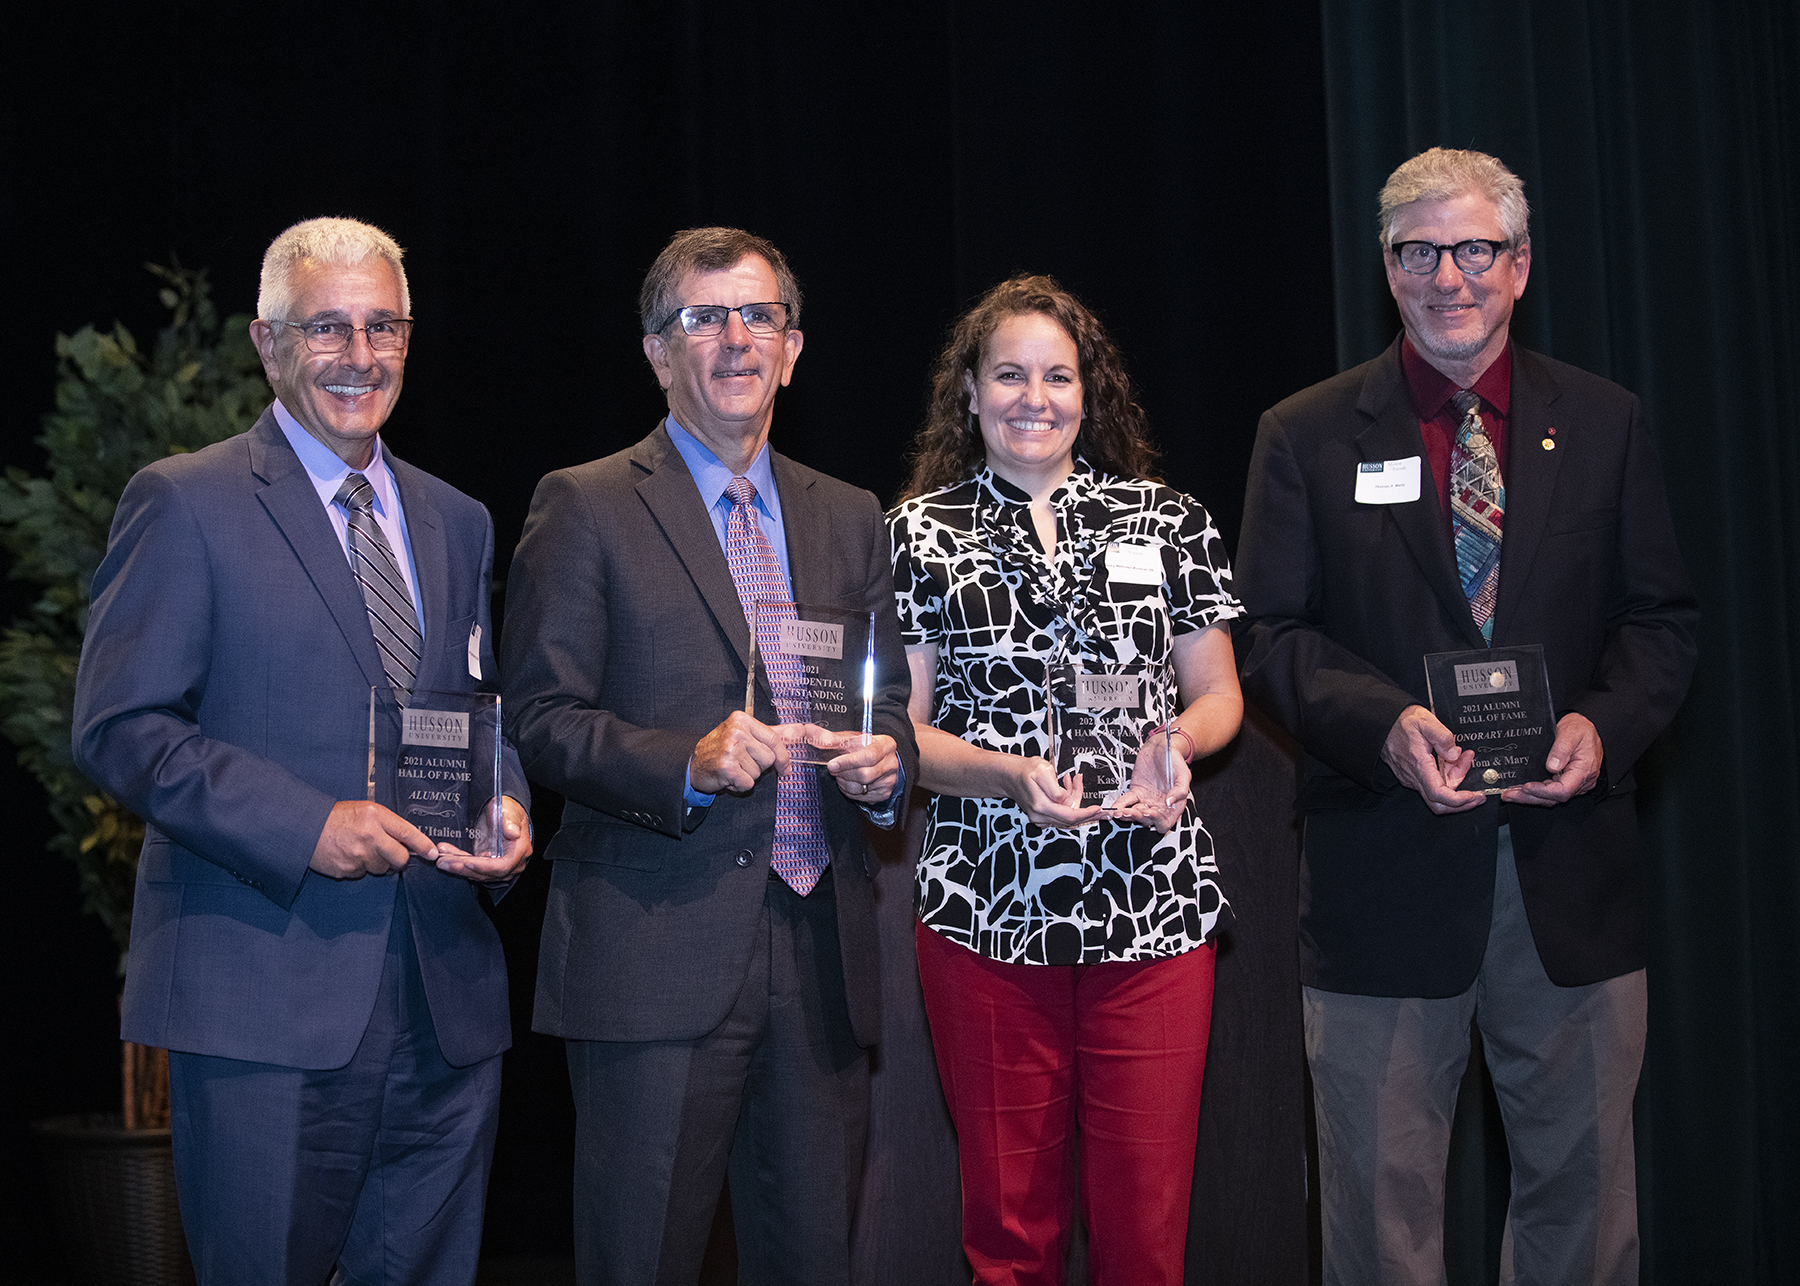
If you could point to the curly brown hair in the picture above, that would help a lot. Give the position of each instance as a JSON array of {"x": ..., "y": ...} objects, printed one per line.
[{"x": 1112, "y": 438}]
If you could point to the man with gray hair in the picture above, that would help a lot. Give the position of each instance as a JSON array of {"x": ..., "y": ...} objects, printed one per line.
[
  {"x": 1464, "y": 499},
  {"x": 331, "y": 991}
]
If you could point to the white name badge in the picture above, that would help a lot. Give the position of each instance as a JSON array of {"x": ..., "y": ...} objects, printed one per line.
[
  {"x": 1387, "y": 482},
  {"x": 475, "y": 652},
  {"x": 1134, "y": 564}
]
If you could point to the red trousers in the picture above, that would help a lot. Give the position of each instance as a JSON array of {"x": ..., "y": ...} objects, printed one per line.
[{"x": 1028, "y": 1055}]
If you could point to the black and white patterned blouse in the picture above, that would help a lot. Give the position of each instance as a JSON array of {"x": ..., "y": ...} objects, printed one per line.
[{"x": 971, "y": 578}]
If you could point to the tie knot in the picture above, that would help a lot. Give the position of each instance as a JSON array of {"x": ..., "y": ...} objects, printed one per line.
[
  {"x": 741, "y": 490},
  {"x": 1467, "y": 401},
  {"x": 357, "y": 494}
]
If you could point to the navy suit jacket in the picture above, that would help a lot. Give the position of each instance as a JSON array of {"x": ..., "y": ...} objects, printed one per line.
[
  {"x": 223, "y": 696},
  {"x": 1345, "y": 599},
  {"x": 625, "y": 645}
]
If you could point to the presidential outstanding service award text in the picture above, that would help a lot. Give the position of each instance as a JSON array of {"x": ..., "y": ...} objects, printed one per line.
[{"x": 819, "y": 663}]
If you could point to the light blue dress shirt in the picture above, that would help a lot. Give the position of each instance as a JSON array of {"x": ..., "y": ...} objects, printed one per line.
[
  {"x": 712, "y": 477},
  {"x": 328, "y": 472}
]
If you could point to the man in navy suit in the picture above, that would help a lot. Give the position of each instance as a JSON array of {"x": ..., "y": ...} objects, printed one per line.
[
  {"x": 323, "y": 974},
  {"x": 1525, "y": 507},
  {"x": 718, "y": 993}
]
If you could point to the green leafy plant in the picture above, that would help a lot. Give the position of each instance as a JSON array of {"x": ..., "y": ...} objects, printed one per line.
[{"x": 117, "y": 409}]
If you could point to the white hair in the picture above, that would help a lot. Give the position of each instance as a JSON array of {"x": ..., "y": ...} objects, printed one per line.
[
  {"x": 341, "y": 243},
  {"x": 1440, "y": 174}
]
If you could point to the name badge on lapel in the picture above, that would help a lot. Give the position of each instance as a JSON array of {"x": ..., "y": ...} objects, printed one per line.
[
  {"x": 1387, "y": 482},
  {"x": 1134, "y": 564}
]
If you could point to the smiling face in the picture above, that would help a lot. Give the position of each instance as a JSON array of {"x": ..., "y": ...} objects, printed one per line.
[
  {"x": 342, "y": 399},
  {"x": 721, "y": 388},
  {"x": 1027, "y": 395},
  {"x": 1458, "y": 322}
]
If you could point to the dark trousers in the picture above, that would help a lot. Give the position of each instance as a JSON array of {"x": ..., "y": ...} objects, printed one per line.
[
  {"x": 378, "y": 1167},
  {"x": 777, "y": 1094}
]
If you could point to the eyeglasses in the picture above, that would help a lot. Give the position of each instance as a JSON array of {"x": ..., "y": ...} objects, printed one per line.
[
  {"x": 709, "y": 319},
  {"x": 334, "y": 337},
  {"x": 1474, "y": 257}
]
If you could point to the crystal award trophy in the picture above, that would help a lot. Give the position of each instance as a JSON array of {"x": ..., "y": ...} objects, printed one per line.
[
  {"x": 1497, "y": 702},
  {"x": 447, "y": 772},
  {"x": 819, "y": 663},
  {"x": 1097, "y": 727}
]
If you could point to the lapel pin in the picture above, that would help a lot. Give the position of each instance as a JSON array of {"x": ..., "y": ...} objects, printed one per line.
[{"x": 1549, "y": 444}]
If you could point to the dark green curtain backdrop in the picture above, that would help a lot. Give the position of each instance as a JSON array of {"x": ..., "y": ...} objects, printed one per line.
[{"x": 1658, "y": 142}]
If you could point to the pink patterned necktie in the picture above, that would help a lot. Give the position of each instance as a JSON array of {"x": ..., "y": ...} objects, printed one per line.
[
  {"x": 801, "y": 854},
  {"x": 1477, "y": 512}
]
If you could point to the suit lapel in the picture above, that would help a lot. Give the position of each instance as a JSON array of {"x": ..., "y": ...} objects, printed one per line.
[
  {"x": 668, "y": 491},
  {"x": 806, "y": 529},
  {"x": 1393, "y": 434},
  {"x": 292, "y": 503},
  {"x": 1530, "y": 480},
  {"x": 431, "y": 569}
]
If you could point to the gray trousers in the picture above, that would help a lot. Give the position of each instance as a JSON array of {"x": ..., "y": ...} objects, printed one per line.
[{"x": 1564, "y": 1062}]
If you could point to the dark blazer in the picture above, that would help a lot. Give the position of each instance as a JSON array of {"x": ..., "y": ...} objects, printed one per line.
[
  {"x": 625, "y": 644},
  {"x": 223, "y": 696},
  {"x": 1343, "y": 601}
]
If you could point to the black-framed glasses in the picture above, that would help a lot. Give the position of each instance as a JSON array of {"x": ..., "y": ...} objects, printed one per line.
[
  {"x": 1474, "y": 256},
  {"x": 709, "y": 319},
  {"x": 386, "y": 336}
]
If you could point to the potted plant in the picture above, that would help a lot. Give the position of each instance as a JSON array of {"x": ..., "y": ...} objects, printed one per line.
[{"x": 117, "y": 409}]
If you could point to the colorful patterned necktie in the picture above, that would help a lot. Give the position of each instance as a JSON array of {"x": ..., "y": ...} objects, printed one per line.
[
  {"x": 801, "y": 853},
  {"x": 391, "y": 616},
  {"x": 1477, "y": 512}
]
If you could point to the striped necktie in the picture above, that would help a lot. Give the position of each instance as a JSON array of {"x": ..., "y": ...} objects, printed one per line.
[
  {"x": 801, "y": 854},
  {"x": 1477, "y": 512},
  {"x": 391, "y": 616}
]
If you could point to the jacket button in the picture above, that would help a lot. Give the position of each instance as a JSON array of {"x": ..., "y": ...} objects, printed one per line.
[{"x": 743, "y": 858}]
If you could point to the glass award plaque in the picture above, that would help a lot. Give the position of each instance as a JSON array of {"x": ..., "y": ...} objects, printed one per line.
[
  {"x": 1097, "y": 725},
  {"x": 819, "y": 663},
  {"x": 447, "y": 771},
  {"x": 1497, "y": 702}
]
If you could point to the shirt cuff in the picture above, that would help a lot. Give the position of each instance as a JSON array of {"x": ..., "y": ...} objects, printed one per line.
[{"x": 887, "y": 815}]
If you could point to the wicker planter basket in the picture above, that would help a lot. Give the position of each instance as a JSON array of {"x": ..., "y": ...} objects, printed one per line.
[{"x": 115, "y": 1198}]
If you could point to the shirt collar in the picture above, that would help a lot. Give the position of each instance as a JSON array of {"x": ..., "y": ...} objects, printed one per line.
[
  {"x": 1431, "y": 388},
  {"x": 712, "y": 477},
  {"x": 326, "y": 468},
  {"x": 1078, "y": 484}
]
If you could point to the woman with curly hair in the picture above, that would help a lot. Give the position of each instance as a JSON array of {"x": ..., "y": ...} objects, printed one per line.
[{"x": 1057, "y": 600}]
